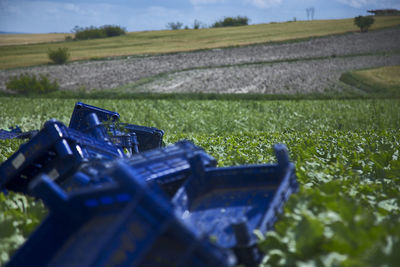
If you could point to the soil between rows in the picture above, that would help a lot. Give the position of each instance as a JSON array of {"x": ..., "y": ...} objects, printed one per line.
[{"x": 313, "y": 66}]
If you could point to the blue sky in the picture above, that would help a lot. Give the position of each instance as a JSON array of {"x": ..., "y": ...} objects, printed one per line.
[{"x": 44, "y": 16}]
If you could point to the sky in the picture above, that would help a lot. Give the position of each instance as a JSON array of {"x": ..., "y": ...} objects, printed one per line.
[{"x": 48, "y": 16}]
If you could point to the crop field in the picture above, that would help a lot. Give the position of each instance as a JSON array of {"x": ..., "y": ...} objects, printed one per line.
[
  {"x": 23, "y": 39},
  {"x": 346, "y": 154},
  {"x": 345, "y": 147},
  {"x": 156, "y": 42}
]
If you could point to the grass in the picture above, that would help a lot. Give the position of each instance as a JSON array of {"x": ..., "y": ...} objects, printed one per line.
[
  {"x": 155, "y": 42},
  {"x": 384, "y": 80},
  {"x": 121, "y": 93}
]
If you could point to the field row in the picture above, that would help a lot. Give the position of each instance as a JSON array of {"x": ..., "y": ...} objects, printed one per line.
[
  {"x": 215, "y": 116},
  {"x": 301, "y": 77}
]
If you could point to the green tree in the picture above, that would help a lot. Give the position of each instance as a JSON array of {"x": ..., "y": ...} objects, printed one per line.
[
  {"x": 231, "y": 21},
  {"x": 174, "y": 25},
  {"x": 363, "y": 22}
]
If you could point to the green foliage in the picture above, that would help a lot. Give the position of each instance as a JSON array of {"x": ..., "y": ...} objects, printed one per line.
[
  {"x": 19, "y": 215},
  {"x": 346, "y": 153},
  {"x": 231, "y": 21},
  {"x": 85, "y": 33},
  {"x": 174, "y": 25},
  {"x": 30, "y": 84},
  {"x": 59, "y": 56},
  {"x": 113, "y": 30},
  {"x": 348, "y": 207},
  {"x": 216, "y": 116},
  {"x": 363, "y": 22}
]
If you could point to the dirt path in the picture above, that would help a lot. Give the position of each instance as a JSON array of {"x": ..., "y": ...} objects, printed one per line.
[{"x": 304, "y": 74}]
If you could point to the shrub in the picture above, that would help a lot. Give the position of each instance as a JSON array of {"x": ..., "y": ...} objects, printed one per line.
[
  {"x": 112, "y": 30},
  {"x": 230, "y": 21},
  {"x": 89, "y": 33},
  {"x": 196, "y": 24},
  {"x": 363, "y": 22},
  {"x": 174, "y": 25},
  {"x": 101, "y": 32},
  {"x": 59, "y": 56},
  {"x": 30, "y": 84}
]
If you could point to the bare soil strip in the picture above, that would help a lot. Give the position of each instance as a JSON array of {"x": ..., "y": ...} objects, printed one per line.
[{"x": 312, "y": 76}]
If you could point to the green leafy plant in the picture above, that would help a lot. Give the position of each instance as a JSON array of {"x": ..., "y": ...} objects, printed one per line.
[
  {"x": 19, "y": 215},
  {"x": 30, "y": 84},
  {"x": 59, "y": 56},
  {"x": 363, "y": 22},
  {"x": 231, "y": 21}
]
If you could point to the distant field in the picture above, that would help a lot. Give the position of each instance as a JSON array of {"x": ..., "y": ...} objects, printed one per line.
[
  {"x": 154, "y": 42},
  {"x": 22, "y": 39},
  {"x": 378, "y": 80}
]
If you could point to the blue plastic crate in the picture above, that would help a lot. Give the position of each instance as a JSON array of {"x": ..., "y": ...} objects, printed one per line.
[
  {"x": 229, "y": 203},
  {"x": 148, "y": 137},
  {"x": 16, "y": 132},
  {"x": 167, "y": 167},
  {"x": 121, "y": 224},
  {"x": 82, "y": 111},
  {"x": 135, "y": 138},
  {"x": 55, "y": 150}
]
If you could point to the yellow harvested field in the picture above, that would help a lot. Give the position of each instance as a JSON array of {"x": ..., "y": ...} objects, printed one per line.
[
  {"x": 155, "y": 42},
  {"x": 23, "y": 39}
]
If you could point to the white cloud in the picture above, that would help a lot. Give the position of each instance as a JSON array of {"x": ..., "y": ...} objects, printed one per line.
[
  {"x": 71, "y": 7},
  {"x": 264, "y": 3},
  {"x": 48, "y": 16},
  {"x": 355, "y": 3},
  {"x": 205, "y": 2},
  {"x": 255, "y": 3},
  {"x": 379, "y": 4},
  {"x": 364, "y": 3}
]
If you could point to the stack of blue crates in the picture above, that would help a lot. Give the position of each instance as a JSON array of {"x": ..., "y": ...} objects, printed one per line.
[
  {"x": 130, "y": 136},
  {"x": 57, "y": 151},
  {"x": 117, "y": 198},
  {"x": 121, "y": 224}
]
